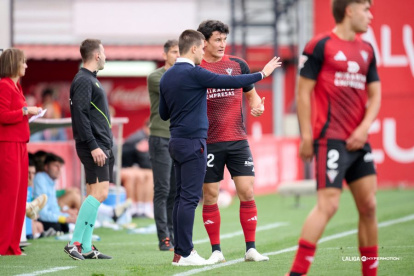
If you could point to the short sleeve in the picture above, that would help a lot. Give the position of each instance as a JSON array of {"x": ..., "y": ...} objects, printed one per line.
[
  {"x": 244, "y": 68},
  {"x": 372, "y": 74},
  {"x": 310, "y": 62}
]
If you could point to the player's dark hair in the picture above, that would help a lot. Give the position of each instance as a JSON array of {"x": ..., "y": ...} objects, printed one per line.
[
  {"x": 47, "y": 92},
  {"x": 169, "y": 44},
  {"x": 31, "y": 160},
  {"x": 51, "y": 157},
  {"x": 188, "y": 39},
  {"x": 10, "y": 60},
  {"x": 339, "y": 6},
  {"x": 207, "y": 28},
  {"x": 39, "y": 158},
  {"x": 88, "y": 48}
]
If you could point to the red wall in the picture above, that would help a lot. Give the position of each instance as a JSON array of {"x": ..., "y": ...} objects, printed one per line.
[
  {"x": 257, "y": 57},
  {"x": 129, "y": 98}
]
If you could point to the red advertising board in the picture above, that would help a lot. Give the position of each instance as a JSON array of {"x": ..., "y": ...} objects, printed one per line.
[
  {"x": 392, "y": 134},
  {"x": 275, "y": 160},
  {"x": 129, "y": 98}
]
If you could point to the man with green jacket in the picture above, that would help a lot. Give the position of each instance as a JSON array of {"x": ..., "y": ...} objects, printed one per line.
[{"x": 162, "y": 165}]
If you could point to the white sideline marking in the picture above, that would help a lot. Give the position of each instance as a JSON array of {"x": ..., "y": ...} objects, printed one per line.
[
  {"x": 239, "y": 233},
  {"x": 225, "y": 236},
  {"x": 380, "y": 225},
  {"x": 222, "y": 237},
  {"x": 293, "y": 248},
  {"x": 356, "y": 247},
  {"x": 50, "y": 270}
]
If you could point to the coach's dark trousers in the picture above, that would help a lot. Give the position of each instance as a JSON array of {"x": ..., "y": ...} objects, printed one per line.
[
  {"x": 190, "y": 159},
  {"x": 164, "y": 186}
]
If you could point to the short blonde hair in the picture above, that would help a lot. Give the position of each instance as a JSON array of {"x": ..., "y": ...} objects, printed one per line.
[{"x": 10, "y": 61}]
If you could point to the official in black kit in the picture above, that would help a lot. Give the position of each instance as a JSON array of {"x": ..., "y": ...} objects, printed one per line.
[{"x": 91, "y": 125}]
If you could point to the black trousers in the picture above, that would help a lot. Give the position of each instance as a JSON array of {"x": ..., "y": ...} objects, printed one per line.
[
  {"x": 59, "y": 227},
  {"x": 190, "y": 160},
  {"x": 164, "y": 186}
]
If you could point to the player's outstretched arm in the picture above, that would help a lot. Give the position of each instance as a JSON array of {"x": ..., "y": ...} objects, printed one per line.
[
  {"x": 212, "y": 80},
  {"x": 271, "y": 66}
]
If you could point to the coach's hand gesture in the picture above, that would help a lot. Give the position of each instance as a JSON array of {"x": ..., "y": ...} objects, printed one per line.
[
  {"x": 271, "y": 66},
  {"x": 99, "y": 157}
]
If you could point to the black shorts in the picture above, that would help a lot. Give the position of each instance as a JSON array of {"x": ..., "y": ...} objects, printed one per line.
[
  {"x": 235, "y": 155},
  {"x": 92, "y": 170},
  {"x": 334, "y": 163}
]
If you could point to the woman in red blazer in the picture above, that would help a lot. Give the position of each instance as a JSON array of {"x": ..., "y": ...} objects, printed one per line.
[{"x": 14, "y": 135}]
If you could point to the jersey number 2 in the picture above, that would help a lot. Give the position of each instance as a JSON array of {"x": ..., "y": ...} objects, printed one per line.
[
  {"x": 210, "y": 159},
  {"x": 333, "y": 156}
]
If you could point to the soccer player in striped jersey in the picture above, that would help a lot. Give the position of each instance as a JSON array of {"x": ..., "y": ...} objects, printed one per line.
[
  {"x": 341, "y": 70},
  {"x": 227, "y": 142}
]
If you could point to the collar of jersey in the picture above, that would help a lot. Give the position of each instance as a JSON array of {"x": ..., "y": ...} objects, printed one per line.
[{"x": 94, "y": 73}]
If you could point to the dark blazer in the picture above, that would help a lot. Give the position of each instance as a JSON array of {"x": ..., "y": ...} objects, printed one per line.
[{"x": 183, "y": 97}]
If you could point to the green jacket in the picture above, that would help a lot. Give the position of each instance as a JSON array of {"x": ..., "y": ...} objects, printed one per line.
[{"x": 158, "y": 127}]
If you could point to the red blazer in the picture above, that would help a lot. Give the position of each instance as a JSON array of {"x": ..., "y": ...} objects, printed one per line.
[{"x": 14, "y": 126}]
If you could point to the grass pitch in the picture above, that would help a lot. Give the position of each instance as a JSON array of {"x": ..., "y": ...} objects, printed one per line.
[{"x": 279, "y": 226}]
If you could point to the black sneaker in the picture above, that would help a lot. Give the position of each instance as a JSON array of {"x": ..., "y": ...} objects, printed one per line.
[
  {"x": 95, "y": 254},
  {"x": 74, "y": 251},
  {"x": 166, "y": 245}
]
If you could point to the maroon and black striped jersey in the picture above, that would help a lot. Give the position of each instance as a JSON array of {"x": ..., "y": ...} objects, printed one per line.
[
  {"x": 342, "y": 69},
  {"x": 224, "y": 105}
]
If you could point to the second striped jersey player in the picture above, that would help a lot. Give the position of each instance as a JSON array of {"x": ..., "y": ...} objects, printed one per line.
[{"x": 227, "y": 143}]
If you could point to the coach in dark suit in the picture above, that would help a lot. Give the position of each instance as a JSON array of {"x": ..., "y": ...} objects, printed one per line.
[{"x": 183, "y": 90}]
